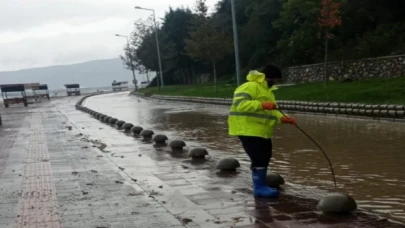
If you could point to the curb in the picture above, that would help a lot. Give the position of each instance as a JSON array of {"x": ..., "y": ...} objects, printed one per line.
[{"x": 374, "y": 111}]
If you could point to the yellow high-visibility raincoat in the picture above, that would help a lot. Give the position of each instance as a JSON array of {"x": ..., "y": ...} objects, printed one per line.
[{"x": 247, "y": 117}]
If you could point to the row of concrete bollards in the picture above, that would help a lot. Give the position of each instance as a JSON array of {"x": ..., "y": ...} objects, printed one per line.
[
  {"x": 332, "y": 203},
  {"x": 335, "y": 108},
  {"x": 177, "y": 146}
]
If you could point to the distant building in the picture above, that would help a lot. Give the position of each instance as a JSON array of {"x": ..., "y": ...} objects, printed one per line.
[
  {"x": 73, "y": 89},
  {"x": 119, "y": 86}
]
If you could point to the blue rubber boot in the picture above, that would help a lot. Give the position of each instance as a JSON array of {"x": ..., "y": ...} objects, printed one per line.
[{"x": 260, "y": 187}]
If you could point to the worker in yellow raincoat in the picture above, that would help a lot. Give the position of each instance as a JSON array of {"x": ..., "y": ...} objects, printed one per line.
[{"x": 252, "y": 118}]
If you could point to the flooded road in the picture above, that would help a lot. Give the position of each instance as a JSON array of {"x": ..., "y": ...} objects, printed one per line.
[{"x": 368, "y": 156}]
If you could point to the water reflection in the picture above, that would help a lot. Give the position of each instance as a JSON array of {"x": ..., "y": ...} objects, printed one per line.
[{"x": 368, "y": 156}]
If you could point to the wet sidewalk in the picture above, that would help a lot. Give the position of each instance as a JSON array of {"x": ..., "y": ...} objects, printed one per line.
[{"x": 52, "y": 174}]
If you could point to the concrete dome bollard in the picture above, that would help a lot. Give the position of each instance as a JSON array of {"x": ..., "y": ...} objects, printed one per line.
[
  {"x": 400, "y": 114},
  {"x": 112, "y": 121},
  {"x": 391, "y": 113},
  {"x": 147, "y": 134},
  {"x": 127, "y": 127},
  {"x": 119, "y": 123},
  {"x": 383, "y": 107},
  {"x": 101, "y": 117},
  {"x": 376, "y": 113},
  {"x": 107, "y": 119},
  {"x": 228, "y": 164},
  {"x": 384, "y": 113},
  {"x": 369, "y": 112},
  {"x": 399, "y": 107},
  {"x": 321, "y": 109},
  {"x": 177, "y": 145},
  {"x": 160, "y": 139},
  {"x": 198, "y": 153},
  {"x": 136, "y": 130},
  {"x": 337, "y": 203},
  {"x": 375, "y": 106},
  {"x": 334, "y": 105},
  {"x": 274, "y": 180}
]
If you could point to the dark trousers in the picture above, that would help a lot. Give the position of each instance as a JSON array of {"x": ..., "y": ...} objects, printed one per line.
[{"x": 258, "y": 149}]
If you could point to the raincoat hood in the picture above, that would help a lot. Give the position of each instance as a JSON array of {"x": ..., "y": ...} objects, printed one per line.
[{"x": 259, "y": 77}]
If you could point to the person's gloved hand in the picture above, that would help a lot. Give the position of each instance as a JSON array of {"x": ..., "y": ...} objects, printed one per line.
[
  {"x": 288, "y": 120},
  {"x": 269, "y": 105}
]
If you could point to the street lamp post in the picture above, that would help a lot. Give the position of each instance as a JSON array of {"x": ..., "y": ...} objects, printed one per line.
[
  {"x": 236, "y": 43},
  {"x": 157, "y": 44},
  {"x": 131, "y": 61}
]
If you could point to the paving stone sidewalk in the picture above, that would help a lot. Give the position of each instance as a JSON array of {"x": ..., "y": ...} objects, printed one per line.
[{"x": 53, "y": 175}]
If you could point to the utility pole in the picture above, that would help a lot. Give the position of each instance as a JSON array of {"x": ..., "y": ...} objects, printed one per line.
[
  {"x": 157, "y": 43},
  {"x": 236, "y": 43}
]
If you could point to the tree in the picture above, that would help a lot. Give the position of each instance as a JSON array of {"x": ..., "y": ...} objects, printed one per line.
[
  {"x": 283, "y": 31},
  {"x": 201, "y": 9},
  {"x": 328, "y": 20},
  {"x": 258, "y": 37},
  {"x": 297, "y": 27},
  {"x": 207, "y": 44},
  {"x": 143, "y": 49},
  {"x": 175, "y": 30}
]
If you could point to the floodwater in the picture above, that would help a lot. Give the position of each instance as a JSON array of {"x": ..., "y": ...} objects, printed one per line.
[{"x": 368, "y": 156}]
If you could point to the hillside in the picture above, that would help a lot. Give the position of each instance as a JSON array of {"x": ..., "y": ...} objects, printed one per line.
[{"x": 96, "y": 73}]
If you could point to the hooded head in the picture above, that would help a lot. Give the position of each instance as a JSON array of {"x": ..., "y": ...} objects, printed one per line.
[{"x": 273, "y": 75}]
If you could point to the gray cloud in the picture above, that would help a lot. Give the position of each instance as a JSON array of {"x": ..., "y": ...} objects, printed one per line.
[{"x": 36, "y": 33}]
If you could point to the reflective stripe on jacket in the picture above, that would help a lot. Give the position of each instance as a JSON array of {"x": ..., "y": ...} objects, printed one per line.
[{"x": 247, "y": 117}]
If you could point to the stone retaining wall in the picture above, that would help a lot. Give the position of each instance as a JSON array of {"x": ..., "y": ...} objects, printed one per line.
[
  {"x": 383, "y": 67},
  {"x": 348, "y": 109}
]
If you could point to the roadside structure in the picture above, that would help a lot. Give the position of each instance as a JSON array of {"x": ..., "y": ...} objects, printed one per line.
[
  {"x": 13, "y": 94},
  {"x": 73, "y": 89}
]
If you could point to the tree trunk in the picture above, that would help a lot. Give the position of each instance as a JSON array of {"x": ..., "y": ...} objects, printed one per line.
[
  {"x": 184, "y": 78},
  {"x": 325, "y": 73},
  {"x": 147, "y": 76},
  {"x": 157, "y": 80},
  {"x": 194, "y": 76},
  {"x": 215, "y": 76}
]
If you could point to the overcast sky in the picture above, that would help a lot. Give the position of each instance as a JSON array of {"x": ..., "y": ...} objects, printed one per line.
[{"x": 35, "y": 33}]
